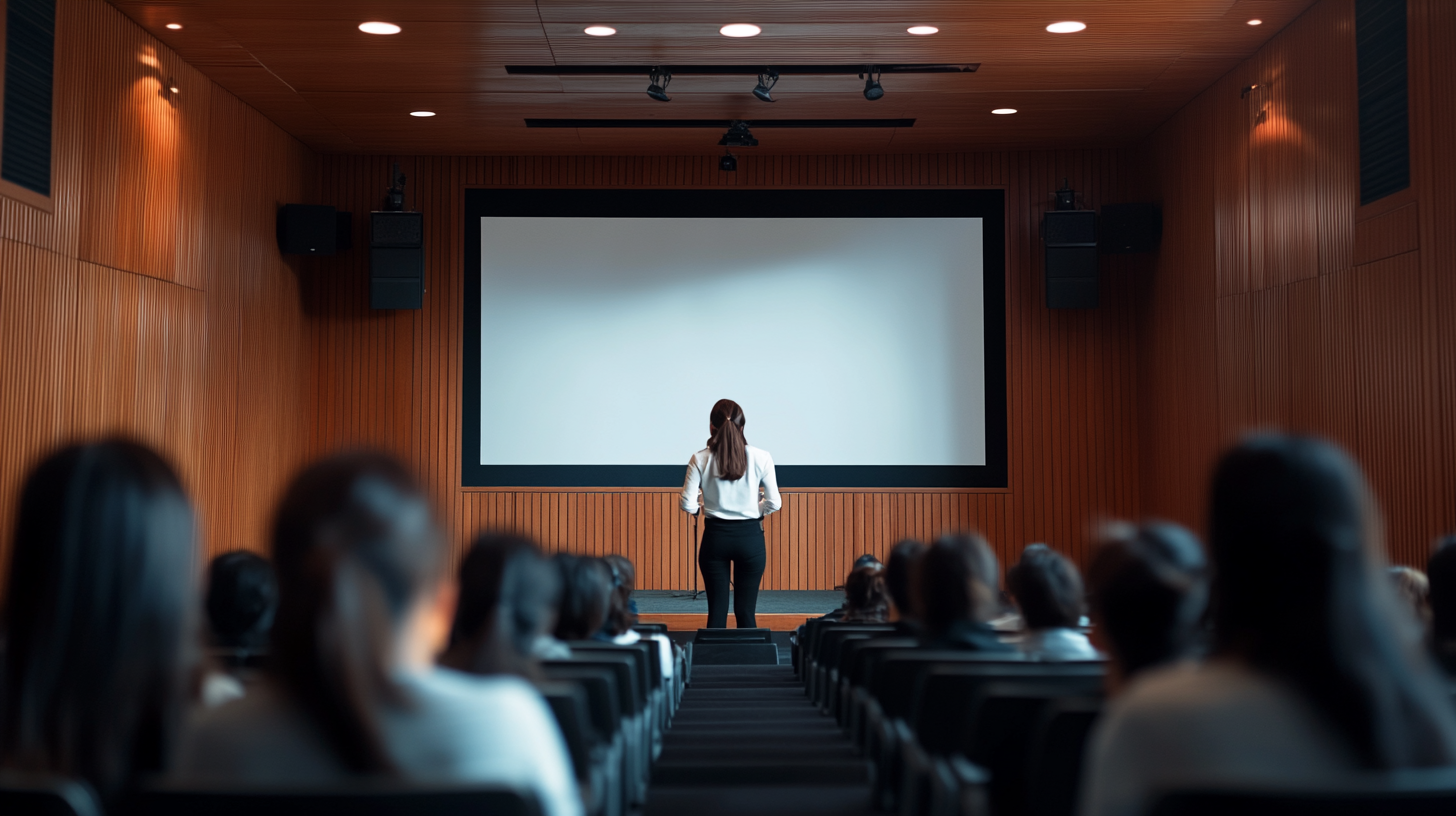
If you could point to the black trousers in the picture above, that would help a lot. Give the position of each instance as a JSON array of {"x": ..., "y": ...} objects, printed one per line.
[{"x": 738, "y": 544}]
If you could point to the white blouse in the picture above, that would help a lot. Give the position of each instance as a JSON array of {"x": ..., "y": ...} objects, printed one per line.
[{"x": 732, "y": 501}]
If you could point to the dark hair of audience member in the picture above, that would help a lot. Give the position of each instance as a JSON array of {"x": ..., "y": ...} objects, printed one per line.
[
  {"x": 355, "y": 546},
  {"x": 1298, "y": 594},
  {"x": 508, "y": 598},
  {"x": 97, "y": 612},
  {"x": 866, "y": 560},
  {"x": 1441, "y": 576},
  {"x": 1047, "y": 589},
  {"x": 957, "y": 582},
  {"x": 1147, "y": 589},
  {"x": 1414, "y": 590},
  {"x": 900, "y": 575},
  {"x": 242, "y": 600},
  {"x": 620, "y": 617},
  {"x": 864, "y": 595},
  {"x": 586, "y": 596}
]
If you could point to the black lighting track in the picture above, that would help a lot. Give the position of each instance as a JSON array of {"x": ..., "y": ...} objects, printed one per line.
[
  {"x": 719, "y": 123},
  {"x": 742, "y": 70}
]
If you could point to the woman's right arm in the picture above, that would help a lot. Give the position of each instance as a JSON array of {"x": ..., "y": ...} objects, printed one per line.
[{"x": 691, "y": 484}]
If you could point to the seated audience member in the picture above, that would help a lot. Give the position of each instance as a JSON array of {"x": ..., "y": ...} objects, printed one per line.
[
  {"x": 628, "y": 583},
  {"x": 865, "y": 600},
  {"x": 842, "y": 612},
  {"x": 1441, "y": 574},
  {"x": 586, "y": 596},
  {"x": 96, "y": 609},
  {"x": 622, "y": 615},
  {"x": 1048, "y": 591},
  {"x": 899, "y": 580},
  {"x": 508, "y": 598},
  {"x": 957, "y": 576},
  {"x": 242, "y": 597},
  {"x": 365, "y": 603},
  {"x": 1147, "y": 592},
  {"x": 1313, "y": 676},
  {"x": 1413, "y": 589}
]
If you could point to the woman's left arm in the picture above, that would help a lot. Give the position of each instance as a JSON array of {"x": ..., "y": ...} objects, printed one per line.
[{"x": 770, "y": 501}]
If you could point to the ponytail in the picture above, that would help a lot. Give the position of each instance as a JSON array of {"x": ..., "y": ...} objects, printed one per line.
[
  {"x": 727, "y": 443},
  {"x": 354, "y": 546}
]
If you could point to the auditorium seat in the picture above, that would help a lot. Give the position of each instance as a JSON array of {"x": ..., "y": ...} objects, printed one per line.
[
  {"x": 1056, "y": 752},
  {"x": 853, "y": 658},
  {"x": 36, "y": 795},
  {"x": 1402, "y": 794},
  {"x": 357, "y": 799},
  {"x": 568, "y": 703}
]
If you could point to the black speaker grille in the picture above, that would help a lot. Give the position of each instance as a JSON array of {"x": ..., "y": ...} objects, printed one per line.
[
  {"x": 396, "y": 229},
  {"x": 1070, "y": 227},
  {"x": 30, "y": 45},
  {"x": 1380, "y": 53}
]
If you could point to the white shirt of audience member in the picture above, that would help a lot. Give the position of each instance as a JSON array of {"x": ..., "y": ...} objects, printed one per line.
[
  {"x": 461, "y": 729},
  {"x": 1058, "y": 644},
  {"x": 1209, "y": 725}
]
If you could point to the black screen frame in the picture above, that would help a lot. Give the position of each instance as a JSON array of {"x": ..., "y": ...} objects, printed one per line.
[{"x": 986, "y": 204}]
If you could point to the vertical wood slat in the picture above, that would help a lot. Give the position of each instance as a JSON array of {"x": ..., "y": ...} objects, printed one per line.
[
  {"x": 1324, "y": 317},
  {"x": 152, "y": 302}
]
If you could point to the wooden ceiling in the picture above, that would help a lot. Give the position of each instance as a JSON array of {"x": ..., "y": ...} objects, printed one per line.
[{"x": 305, "y": 65}]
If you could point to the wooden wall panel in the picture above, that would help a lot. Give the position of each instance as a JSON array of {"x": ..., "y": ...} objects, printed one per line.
[
  {"x": 152, "y": 301},
  {"x": 1330, "y": 318},
  {"x": 392, "y": 379}
]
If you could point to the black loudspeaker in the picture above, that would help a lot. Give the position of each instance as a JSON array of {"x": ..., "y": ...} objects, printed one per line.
[
  {"x": 396, "y": 260},
  {"x": 1129, "y": 228},
  {"x": 1070, "y": 270},
  {"x": 308, "y": 229}
]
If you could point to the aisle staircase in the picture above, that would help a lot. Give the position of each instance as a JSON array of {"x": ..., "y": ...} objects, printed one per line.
[{"x": 747, "y": 742}]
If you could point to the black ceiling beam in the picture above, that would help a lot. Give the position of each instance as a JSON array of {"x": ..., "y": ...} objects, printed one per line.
[
  {"x": 753, "y": 69},
  {"x": 719, "y": 123}
]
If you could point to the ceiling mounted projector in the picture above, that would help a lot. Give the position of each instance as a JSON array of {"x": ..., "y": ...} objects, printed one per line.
[
  {"x": 738, "y": 136},
  {"x": 658, "y": 89},
  {"x": 766, "y": 81}
]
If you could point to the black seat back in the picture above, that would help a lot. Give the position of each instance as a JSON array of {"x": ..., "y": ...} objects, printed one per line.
[
  {"x": 623, "y": 669},
  {"x": 863, "y": 655},
  {"x": 954, "y": 704},
  {"x": 600, "y": 686},
  {"x": 650, "y": 628},
  {"x": 1439, "y": 802},
  {"x": 36, "y": 795},
  {"x": 734, "y": 636},
  {"x": 356, "y": 800},
  {"x": 833, "y": 637},
  {"x": 1055, "y": 751},
  {"x": 568, "y": 703},
  {"x": 649, "y": 667},
  {"x": 897, "y": 674}
]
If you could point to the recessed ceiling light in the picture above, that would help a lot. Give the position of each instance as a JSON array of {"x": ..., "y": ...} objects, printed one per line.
[
  {"x": 1256, "y": 22},
  {"x": 175, "y": 26},
  {"x": 1067, "y": 27},
  {"x": 422, "y": 113},
  {"x": 740, "y": 30},
  {"x": 1004, "y": 111},
  {"x": 922, "y": 31},
  {"x": 600, "y": 31},
  {"x": 379, "y": 28}
]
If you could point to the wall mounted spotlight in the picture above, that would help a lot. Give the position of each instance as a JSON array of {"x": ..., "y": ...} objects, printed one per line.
[
  {"x": 872, "y": 90},
  {"x": 728, "y": 163},
  {"x": 1248, "y": 89},
  {"x": 738, "y": 136},
  {"x": 766, "y": 81},
  {"x": 173, "y": 86},
  {"x": 658, "y": 89}
]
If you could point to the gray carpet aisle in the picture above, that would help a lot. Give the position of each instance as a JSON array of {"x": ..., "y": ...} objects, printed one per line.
[{"x": 747, "y": 742}]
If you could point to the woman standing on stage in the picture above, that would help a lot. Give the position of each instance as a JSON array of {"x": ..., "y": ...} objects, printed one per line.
[{"x": 730, "y": 473}]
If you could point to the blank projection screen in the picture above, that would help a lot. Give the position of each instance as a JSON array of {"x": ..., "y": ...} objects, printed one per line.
[{"x": 856, "y": 344}]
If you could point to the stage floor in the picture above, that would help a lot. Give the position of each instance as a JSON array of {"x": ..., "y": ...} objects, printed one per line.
[{"x": 805, "y": 602}]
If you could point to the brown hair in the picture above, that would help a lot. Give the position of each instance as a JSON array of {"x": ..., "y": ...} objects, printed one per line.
[
  {"x": 957, "y": 581},
  {"x": 354, "y": 543},
  {"x": 864, "y": 595},
  {"x": 729, "y": 447}
]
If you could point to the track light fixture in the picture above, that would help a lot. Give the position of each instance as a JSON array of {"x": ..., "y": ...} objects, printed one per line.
[
  {"x": 872, "y": 90},
  {"x": 738, "y": 136},
  {"x": 766, "y": 82},
  {"x": 658, "y": 89}
]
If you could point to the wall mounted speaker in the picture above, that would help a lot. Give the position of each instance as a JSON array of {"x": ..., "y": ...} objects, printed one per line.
[
  {"x": 1070, "y": 268},
  {"x": 308, "y": 229},
  {"x": 396, "y": 260},
  {"x": 1129, "y": 228}
]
